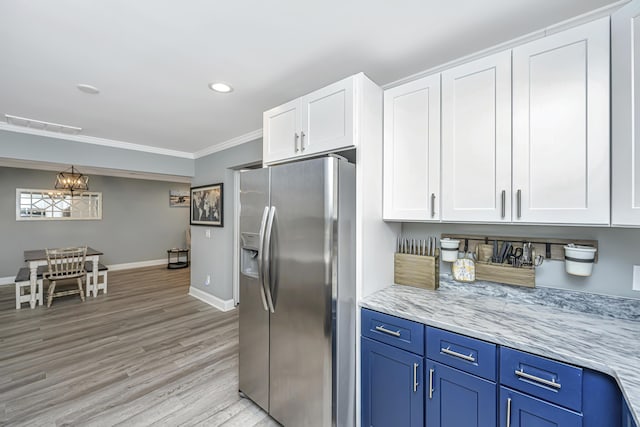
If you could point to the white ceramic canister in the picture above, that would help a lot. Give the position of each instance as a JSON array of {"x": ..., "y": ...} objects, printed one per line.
[
  {"x": 578, "y": 260},
  {"x": 449, "y": 249}
]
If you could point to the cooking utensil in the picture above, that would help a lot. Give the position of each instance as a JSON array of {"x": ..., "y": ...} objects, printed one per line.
[
  {"x": 494, "y": 257},
  {"x": 515, "y": 257},
  {"x": 504, "y": 250},
  {"x": 526, "y": 253}
]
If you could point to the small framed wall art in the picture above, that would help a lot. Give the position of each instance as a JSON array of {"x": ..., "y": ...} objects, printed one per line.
[
  {"x": 206, "y": 205},
  {"x": 179, "y": 199}
]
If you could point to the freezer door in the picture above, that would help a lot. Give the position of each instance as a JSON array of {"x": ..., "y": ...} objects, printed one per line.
[
  {"x": 303, "y": 200},
  {"x": 254, "y": 319}
]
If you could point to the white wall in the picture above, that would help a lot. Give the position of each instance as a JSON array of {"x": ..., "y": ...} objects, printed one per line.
[
  {"x": 23, "y": 146},
  {"x": 214, "y": 256},
  {"x": 137, "y": 223}
]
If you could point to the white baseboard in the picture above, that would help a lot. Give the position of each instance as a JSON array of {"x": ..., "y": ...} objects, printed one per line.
[
  {"x": 139, "y": 264},
  {"x": 212, "y": 300},
  {"x": 113, "y": 267},
  {"x": 7, "y": 280}
]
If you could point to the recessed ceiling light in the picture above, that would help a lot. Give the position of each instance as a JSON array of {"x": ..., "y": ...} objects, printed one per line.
[
  {"x": 220, "y": 87},
  {"x": 88, "y": 89}
]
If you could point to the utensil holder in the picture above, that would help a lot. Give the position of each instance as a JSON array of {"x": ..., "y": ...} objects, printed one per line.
[
  {"x": 417, "y": 270},
  {"x": 504, "y": 273},
  {"x": 578, "y": 260},
  {"x": 449, "y": 249}
]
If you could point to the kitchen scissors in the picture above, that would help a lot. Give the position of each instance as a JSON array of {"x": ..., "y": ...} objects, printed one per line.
[{"x": 515, "y": 257}]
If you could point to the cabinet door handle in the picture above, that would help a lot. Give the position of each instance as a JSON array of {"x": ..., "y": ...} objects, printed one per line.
[
  {"x": 387, "y": 331},
  {"x": 509, "y": 412},
  {"x": 522, "y": 374},
  {"x": 433, "y": 205},
  {"x": 302, "y": 135},
  {"x": 430, "y": 383},
  {"x": 504, "y": 203},
  {"x": 519, "y": 197},
  {"x": 415, "y": 377},
  {"x": 468, "y": 358},
  {"x": 295, "y": 141}
]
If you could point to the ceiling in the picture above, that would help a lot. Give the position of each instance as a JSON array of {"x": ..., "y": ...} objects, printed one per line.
[{"x": 153, "y": 59}]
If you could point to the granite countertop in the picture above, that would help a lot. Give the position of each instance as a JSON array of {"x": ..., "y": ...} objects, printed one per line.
[{"x": 587, "y": 330}]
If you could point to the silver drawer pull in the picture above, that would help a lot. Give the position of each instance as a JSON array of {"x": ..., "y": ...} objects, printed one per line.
[
  {"x": 431, "y": 383},
  {"x": 551, "y": 383},
  {"x": 469, "y": 358},
  {"x": 415, "y": 377},
  {"x": 387, "y": 331}
]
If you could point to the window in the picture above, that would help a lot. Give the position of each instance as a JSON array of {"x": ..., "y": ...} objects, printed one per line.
[{"x": 38, "y": 205}]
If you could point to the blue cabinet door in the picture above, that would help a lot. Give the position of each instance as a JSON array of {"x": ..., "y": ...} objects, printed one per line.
[
  {"x": 521, "y": 410},
  {"x": 392, "y": 386},
  {"x": 627, "y": 418},
  {"x": 455, "y": 398}
]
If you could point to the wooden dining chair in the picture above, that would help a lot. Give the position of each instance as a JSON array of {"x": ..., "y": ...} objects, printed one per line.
[{"x": 65, "y": 263}]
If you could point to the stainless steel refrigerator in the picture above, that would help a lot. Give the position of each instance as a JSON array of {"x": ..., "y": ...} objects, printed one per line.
[{"x": 297, "y": 291}]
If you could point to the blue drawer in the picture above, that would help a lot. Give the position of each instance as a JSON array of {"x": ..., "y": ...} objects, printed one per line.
[
  {"x": 394, "y": 331},
  {"x": 467, "y": 354},
  {"x": 547, "y": 379}
]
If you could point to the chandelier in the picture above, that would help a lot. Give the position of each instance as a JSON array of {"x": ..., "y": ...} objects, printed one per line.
[{"x": 71, "y": 180}]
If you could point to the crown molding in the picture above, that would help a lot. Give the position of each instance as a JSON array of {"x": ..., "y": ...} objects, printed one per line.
[
  {"x": 97, "y": 141},
  {"x": 238, "y": 140}
]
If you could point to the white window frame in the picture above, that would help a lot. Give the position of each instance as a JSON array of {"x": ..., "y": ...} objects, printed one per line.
[{"x": 86, "y": 198}]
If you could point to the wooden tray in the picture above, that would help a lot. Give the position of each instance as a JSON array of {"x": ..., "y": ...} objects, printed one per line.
[{"x": 417, "y": 270}]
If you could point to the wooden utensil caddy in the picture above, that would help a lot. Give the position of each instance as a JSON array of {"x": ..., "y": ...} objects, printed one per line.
[
  {"x": 482, "y": 246},
  {"x": 417, "y": 270}
]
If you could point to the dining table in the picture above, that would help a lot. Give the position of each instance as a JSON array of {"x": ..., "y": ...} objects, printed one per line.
[{"x": 37, "y": 257}]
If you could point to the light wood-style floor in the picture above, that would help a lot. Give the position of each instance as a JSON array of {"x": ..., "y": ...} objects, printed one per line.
[{"x": 144, "y": 354}]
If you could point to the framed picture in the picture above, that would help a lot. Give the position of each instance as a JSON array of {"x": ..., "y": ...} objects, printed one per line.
[
  {"x": 206, "y": 205},
  {"x": 179, "y": 199}
]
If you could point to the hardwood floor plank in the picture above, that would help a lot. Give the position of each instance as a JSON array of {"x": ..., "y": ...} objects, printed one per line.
[{"x": 144, "y": 354}]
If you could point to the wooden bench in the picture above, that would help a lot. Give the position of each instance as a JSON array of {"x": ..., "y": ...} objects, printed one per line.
[
  {"x": 23, "y": 281},
  {"x": 102, "y": 284}
]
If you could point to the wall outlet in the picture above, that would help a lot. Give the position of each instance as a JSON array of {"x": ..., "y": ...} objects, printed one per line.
[
  {"x": 207, "y": 233},
  {"x": 207, "y": 281},
  {"x": 636, "y": 277}
]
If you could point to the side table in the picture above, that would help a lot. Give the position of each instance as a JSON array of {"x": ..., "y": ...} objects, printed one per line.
[{"x": 177, "y": 258}]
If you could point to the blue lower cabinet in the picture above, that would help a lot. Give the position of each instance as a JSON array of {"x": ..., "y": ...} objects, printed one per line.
[
  {"x": 521, "y": 410},
  {"x": 392, "y": 386},
  {"x": 455, "y": 398}
]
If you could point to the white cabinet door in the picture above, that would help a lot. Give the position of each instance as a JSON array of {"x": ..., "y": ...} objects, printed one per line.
[
  {"x": 327, "y": 118},
  {"x": 412, "y": 151},
  {"x": 476, "y": 140},
  {"x": 281, "y": 132},
  {"x": 625, "y": 115},
  {"x": 561, "y": 127}
]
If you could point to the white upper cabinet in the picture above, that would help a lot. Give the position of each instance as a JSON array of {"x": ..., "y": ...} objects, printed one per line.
[
  {"x": 561, "y": 127},
  {"x": 476, "y": 140},
  {"x": 327, "y": 118},
  {"x": 625, "y": 132},
  {"x": 320, "y": 122},
  {"x": 281, "y": 131},
  {"x": 412, "y": 151}
]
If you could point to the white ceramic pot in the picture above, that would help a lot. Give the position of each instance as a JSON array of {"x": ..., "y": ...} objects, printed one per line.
[
  {"x": 449, "y": 249},
  {"x": 578, "y": 260}
]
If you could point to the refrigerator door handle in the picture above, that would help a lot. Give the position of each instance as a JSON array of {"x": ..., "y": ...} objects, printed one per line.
[
  {"x": 263, "y": 224},
  {"x": 267, "y": 258}
]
